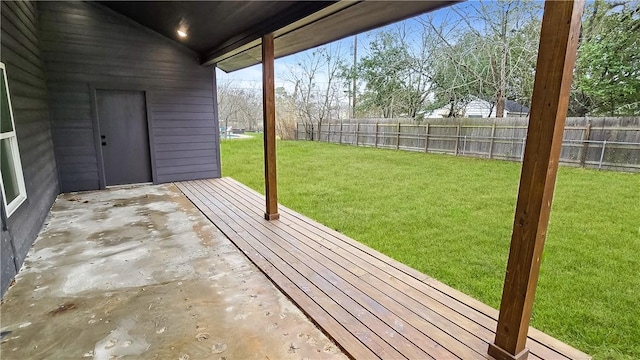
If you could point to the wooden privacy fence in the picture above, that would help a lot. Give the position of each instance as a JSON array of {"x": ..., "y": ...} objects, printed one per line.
[{"x": 602, "y": 147}]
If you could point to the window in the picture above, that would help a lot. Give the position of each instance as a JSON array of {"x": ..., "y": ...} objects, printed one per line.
[{"x": 11, "y": 179}]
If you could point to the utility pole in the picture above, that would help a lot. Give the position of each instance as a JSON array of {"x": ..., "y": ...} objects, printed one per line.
[{"x": 355, "y": 60}]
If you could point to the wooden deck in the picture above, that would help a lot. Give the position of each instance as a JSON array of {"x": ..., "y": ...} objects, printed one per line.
[{"x": 370, "y": 304}]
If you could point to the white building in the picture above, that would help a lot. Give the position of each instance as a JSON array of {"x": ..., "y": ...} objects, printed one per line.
[{"x": 484, "y": 109}]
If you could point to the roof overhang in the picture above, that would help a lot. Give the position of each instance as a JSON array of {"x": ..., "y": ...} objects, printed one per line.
[{"x": 334, "y": 22}]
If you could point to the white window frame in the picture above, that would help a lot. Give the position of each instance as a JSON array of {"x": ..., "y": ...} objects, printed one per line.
[{"x": 13, "y": 143}]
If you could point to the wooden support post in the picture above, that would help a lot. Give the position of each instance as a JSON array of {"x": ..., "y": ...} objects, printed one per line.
[
  {"x": 585, "y": 145},
  {"x": 554, "y": 72},
  {"x": 493, "y": 135},
  {"x": 357, "y": 132},
  {"x": 398, "y": 137},
  {"x": 426, "y": 138},
  {"x": 269, "y": 125},
  {"x": 457, "y": 139},
  {"x": 319, "y": 131},
  {"x": 376, "y": 134},
  {"x": 340, "y": 131}
]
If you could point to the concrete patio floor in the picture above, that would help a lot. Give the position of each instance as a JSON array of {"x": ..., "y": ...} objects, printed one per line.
[{"x": 140, "y": 273}]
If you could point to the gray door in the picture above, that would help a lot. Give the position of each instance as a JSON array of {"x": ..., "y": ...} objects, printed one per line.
[{"x": 124, "y": 136}]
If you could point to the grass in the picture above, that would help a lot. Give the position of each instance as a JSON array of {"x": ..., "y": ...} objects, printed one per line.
[{"x": 451, "y": 218}]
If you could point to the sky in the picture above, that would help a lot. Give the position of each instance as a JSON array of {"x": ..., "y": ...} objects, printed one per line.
[{"x": 251, "y": 77}]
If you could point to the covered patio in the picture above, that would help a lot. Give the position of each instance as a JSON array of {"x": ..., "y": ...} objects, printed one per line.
[
  {"x": 369, "y": 304},
  {"x": 156, "y": 271}
]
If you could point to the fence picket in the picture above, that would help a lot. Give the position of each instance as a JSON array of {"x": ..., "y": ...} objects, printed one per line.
[
  {"x": 585, "y": 144},
  {"x": 493, "y": 135},
  {"x": 457, "y": 139},
  {"x": 426, "y": 138}
]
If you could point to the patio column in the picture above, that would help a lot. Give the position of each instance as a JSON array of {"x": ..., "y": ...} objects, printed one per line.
[
  {"x": 554, "y": 72},
  {"x": 269, "y": 128}
]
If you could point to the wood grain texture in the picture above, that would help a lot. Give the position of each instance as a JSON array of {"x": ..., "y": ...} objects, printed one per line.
[
  {"x": 269, "y": 126},
  {"x": 370, "y": 304},
  {"x": 87, "y": 45},
  {"x": 554, "y": 72},
  {"x": 20, "y": 52}
]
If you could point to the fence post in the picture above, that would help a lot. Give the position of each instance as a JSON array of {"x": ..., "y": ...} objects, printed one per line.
[
  {"x": 457, "y": 139},
  {"x": 297, "y": 129},
  {"x": 398, "y": 137},
  {"x": 604, "y": 145},
  {"x": 585, "y": 144},
  {"x": 524, "y": 139},
  {"x": 376, "y": 134},
  {"x": 312, "y": 132},
  {"x": 319, "y": 131},
  {"x": 493, "y": 135},
  {"x": 464, "y": 144},
  {"x": 329, "y": 131},
  {"x": 426, "y": 138},
  {"x": 341, "y": 131},
  {"x": 357, "y": 131}
]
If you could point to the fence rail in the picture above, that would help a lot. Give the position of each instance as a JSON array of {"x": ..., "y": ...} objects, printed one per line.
[{"x": 603, "y": 147}]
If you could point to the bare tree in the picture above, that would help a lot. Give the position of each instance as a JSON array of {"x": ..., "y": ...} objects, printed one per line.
[
  {"x": 239, "y": 107},
  {"x": 316, "y": 94}
]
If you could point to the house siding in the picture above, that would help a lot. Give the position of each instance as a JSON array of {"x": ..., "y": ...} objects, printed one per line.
[
  {"x": 480, "y": 108},
  {"x": 87, "y": 45},
  {"x": 20, "y": 52}
]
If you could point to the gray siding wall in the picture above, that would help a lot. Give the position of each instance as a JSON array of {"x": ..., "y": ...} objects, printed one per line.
[
  {"x": 20, "y": 52},
  {"x": 86, "y": 44}
]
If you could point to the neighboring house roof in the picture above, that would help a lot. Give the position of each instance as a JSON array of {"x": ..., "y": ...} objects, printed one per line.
[
  {"x": 514, "y": 107},
  {"x": 228, "y": 33}
]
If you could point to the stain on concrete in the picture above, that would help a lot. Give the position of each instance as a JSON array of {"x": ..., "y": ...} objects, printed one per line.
[
  {"x": 140, "y": 273},
  {"x": 62, "y": 308}
]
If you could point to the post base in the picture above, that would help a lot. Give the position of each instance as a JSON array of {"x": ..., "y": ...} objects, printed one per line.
[
  {"x": 500, "y": 354},
  {"x": 275, "y": 216}
]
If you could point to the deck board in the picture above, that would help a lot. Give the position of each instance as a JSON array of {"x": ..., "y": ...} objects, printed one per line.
[{"x": 370, "y": 304}]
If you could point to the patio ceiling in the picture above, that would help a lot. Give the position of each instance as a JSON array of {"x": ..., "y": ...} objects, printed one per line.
[{"x": 228, "y": 33}]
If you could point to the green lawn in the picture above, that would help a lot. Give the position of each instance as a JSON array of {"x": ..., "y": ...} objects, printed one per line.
[{"x": 451, "y": 217}]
